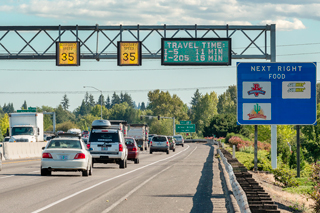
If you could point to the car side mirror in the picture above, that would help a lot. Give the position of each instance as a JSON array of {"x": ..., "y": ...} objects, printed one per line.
[{"x": 43, "y": 148}]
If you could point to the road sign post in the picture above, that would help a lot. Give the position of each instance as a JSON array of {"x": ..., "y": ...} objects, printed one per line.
[{"x": 276, "y": 93}]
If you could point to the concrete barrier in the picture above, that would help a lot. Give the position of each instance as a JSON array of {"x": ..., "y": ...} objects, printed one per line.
[{"x": 12, "y": 151}]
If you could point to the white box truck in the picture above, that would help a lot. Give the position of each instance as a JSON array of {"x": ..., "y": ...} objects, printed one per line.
[
  {"x": 26, "y": 127},
  {"x": 140, "y": 133}
]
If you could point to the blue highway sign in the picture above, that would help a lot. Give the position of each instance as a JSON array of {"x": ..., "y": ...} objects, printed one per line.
[{"x": 276, "y": 93}]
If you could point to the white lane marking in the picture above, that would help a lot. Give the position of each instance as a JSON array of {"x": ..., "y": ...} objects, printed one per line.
[
  {"x": 6, "y": 176},
  {"x": 191, "y": 152},
  {"x": 33, "y": 171},
  {"x": 132, "y": 191},
  {"x": 102, "y": 182}
]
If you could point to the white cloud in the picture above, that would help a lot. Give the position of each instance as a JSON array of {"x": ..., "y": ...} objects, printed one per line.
[
  {"x": 6, "y": 8},
  {"x": 184, "y": 12},
  {"x": 284, "y": 25}
]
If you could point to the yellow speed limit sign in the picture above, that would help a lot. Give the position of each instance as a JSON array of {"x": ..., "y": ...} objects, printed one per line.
[
  {"x": 68, "y": 54},
  {"x": 129, "y": 53}
]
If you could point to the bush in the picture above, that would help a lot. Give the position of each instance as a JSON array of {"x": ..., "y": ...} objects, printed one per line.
[
  {"x": 315, "y": 178},
  {"x": 286, "y": 177}
]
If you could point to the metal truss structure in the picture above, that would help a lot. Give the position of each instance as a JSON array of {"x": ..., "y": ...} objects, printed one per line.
[{"x": 111, "y": 34}]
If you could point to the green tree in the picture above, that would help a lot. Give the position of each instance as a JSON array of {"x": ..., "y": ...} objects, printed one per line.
[
  {"x": 91, "y": 101},
  {"x": 161, "y": 103},
  {"x": 196, "y": 98},
  {"x": 115, "y": 99},
  {"x": 204, "y": 111},
  {"x": 143, "y": 106},
  {"x": 318, "y": 93},
  {"x": 108, "y": 103},
  {"x": 127, "y": 98},
  {"x": 63, "y": 115},
  {"x": 8, "y": 108},
  {"x": 226, "y": 104},
  {"x": 24, "y": 105},
  {"x": 4, "y": 124},
  {"x": 65, "y": 102},
  {"x": 221, "y": 125},
  {"x": 101, "y": 98}
]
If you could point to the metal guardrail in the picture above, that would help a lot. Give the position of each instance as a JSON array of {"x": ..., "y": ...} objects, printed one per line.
[{"x": 238, "y": 192}]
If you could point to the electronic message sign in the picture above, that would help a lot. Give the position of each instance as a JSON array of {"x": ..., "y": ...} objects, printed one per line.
[
  {"x": 194, "y": 51},
  {"x": 129, "y": 53},
  {"x": 67, "y": 53},
  {"x": 276, "y": 93}
]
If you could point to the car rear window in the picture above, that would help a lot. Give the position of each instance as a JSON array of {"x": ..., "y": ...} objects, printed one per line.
[
  {"x": 159, "y": 139},
  {"x": 64, "y": 144},
  {"x": 177, "y": 137},
  {"x": 104, "y": 137},
  {"x": 129, "y": 141}
]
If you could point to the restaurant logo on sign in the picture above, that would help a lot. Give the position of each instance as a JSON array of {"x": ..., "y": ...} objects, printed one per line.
[
  {"x": 257, "y": 112},
  {"x": 256, "y": 90}
]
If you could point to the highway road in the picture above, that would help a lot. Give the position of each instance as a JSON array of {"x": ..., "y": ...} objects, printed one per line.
[{"x": 187, "y": 180}]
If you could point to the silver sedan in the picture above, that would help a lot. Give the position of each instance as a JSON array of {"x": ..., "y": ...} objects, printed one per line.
[{"x": 66, "y": 154}]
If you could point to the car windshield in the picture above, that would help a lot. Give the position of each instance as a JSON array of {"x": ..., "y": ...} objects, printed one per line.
[
  {"x": 159, "y": 139},
  {"x": 22, "y": 131},
  {"x": 129, "y": 141},
  {"x": 64, "y": 144},
  {"x": 104, "y": 137},
  {"x": 177, "y": 137}
]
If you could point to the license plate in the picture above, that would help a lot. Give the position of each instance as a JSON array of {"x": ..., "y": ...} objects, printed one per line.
[
  {"x": 63, "y": 157},
  {"x": 104, "y": 148}
]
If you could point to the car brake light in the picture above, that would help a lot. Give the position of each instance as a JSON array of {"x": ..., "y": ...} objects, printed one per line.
[
  {"x": 80, "y": 156},
  {"x": 167, "y": 143},
  {"x": 104, "y": 130},
  {"x": 134, "y": 149},
  {"x": 120, "y": 147},
  {"x": 88, "y": 145},
  {"x": 150, "y": 143},
  {"x": 46, "y": 155}
]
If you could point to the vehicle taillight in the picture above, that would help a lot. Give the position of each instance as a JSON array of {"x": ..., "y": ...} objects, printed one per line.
[
  {"x": 150, "y": 143},
  {"x": 167, "y": 143},
  {"x": 80, "y": 156},
  {"x": 120, "y": 147},
  {"x": 46, "y": 155},
  {"x": 134, "y": 149},
  {"x": 88, "y": 145},
  {"x": 104, "y": 130}
]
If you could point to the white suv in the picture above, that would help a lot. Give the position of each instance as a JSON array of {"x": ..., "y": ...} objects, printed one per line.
[{"x": 107, "y": 145}]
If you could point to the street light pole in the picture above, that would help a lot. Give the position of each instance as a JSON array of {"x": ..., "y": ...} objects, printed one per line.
[{"x": 100, "y": 97}]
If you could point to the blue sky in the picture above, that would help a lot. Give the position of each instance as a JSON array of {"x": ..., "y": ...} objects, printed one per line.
[{"x": 297, "y": 39}]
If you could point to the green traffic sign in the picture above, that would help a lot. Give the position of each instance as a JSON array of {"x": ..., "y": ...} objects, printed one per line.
[
  {"x": 185, "y": 122},
  {"x": 196, "y": 51},
  {"x": 185, "y": 128}
]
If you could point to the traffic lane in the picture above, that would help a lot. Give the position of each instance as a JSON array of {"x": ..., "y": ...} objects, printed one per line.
[
  {"x": 189, "y": 184},
  {"x": 100, "y": 196},
  {"x": 34, "y": 191}
]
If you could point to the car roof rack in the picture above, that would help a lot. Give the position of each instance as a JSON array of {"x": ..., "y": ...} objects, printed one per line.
[{"x": 68, "y": 135}]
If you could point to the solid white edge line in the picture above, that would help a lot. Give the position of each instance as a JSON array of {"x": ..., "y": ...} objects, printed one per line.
[
  {"x": 102, "y": 182},
  {"x": 132, "y": 191},
  {"x": 7, "y": 176}
]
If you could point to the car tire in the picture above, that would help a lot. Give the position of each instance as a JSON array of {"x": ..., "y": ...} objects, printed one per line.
[
  {"x": 174, "y": 150},
  {"x": 92, "y": 165},
  {"x": 141, "y": 149},
  {"x": 122, "y": 164},
  {"x": 150, "y": 152},
  {"x": 168, "y": 151},
  {"x": 126, "y": 163},
  {"x": 45, "y": 172},
  {"x": 182, "y": 145},
  {"x": 85, "y": 173},
  {"x": 136, "y": 161}
]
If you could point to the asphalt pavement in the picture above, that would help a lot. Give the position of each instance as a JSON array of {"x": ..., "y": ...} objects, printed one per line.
[{"x": 187, "y": 180}]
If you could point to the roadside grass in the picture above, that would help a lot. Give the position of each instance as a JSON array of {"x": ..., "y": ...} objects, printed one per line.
[{"x": 305, "y": 184}]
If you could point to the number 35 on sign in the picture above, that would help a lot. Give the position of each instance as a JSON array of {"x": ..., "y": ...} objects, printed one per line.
[
  {"x": 129, "y": 53},
  {"x": 68, "y": 54}
]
